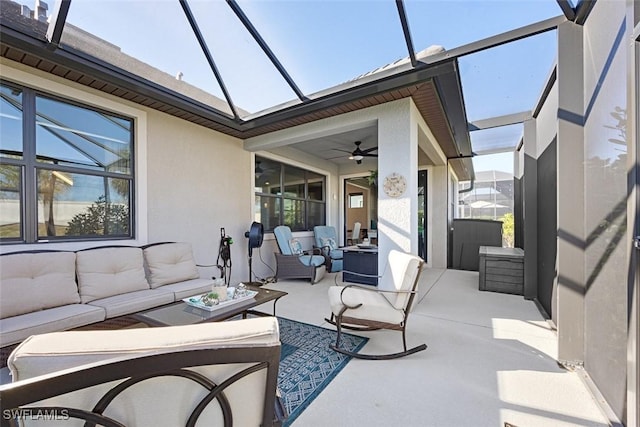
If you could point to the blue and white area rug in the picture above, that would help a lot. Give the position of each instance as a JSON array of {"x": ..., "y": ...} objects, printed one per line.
[{"x": 307, "y": 364}]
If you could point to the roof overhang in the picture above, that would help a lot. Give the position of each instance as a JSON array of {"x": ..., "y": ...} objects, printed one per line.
[{"x": 435, "y": 88}]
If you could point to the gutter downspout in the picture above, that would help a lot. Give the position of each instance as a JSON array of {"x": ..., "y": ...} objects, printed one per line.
[{"x": 465, "y": 190}]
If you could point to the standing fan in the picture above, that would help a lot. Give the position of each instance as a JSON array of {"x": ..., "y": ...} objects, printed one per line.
[{"x": 255, "y": 235}]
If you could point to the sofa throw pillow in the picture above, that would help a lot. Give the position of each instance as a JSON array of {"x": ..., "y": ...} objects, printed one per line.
[
  {"x": 329, "y": 242},
  {"x": 295, "y": 246},
  {"x": 31, "y": 282},
  {"x": 105, "y": 272},
  {"x": 170, "y": 263}
]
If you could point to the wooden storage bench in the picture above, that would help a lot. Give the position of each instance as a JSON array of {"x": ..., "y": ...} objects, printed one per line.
[{"x": 501, "y": 270}]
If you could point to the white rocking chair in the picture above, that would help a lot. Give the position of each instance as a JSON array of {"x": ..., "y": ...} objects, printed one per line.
[{"x": 365, "y": 308}]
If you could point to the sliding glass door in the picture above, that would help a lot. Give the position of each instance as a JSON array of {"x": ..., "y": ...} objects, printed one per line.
[{"x": 422, "y": 214}]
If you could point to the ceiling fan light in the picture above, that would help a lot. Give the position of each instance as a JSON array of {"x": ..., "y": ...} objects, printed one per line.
[{"x": 357, "y": 157}]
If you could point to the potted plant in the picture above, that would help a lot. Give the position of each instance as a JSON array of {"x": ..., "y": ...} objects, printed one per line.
[
  {"x": 373, "y": 178},
  {"x": 210, "y": 299}
]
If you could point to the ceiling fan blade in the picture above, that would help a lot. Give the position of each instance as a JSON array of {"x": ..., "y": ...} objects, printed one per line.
[
  {"x": 370, "y": 155},
  {"x": 344, "y": 151},
  {"x": 368, "y": 150}
]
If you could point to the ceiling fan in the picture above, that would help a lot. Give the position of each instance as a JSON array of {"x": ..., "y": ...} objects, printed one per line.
[{"x": 358, "y": 154}]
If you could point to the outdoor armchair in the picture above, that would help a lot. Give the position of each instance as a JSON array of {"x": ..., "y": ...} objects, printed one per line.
[
  {"x": 387, "y": 306},
  {"x": 295, "y": 263},
  {"x": 327, "y": 241},
  {"x": 222, "y": 373}
]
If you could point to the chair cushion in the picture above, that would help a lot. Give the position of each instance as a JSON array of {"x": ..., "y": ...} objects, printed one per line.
[
  {"x": 170, "y": 263},
  {"x": 36, "y": 281},
  {"x": 295, "y": 246},
  {"x": 374, "y": 305},
  {"x": 336, "y": 265},
  {"x": 43, "y": 354},
  {"x": 283, "y": 236},
  {"x": 315, "y": 260},
  {"x": 336, "y": 254},
  {"x": 402, "y": 272},
  {"x": 105, "y": 272},
  {"x": 167, "y": 400}
]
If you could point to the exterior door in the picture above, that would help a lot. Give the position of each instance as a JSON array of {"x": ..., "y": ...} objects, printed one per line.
[
  {"x": 360, "y": 205},
  {"x": 633, "y": 295},
  {"x": 422, "y": 214}
]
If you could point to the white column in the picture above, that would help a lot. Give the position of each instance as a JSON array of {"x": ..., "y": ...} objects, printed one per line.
[{"x": 398, "y": 153}]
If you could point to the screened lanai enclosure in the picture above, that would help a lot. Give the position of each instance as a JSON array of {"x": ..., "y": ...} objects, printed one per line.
[
  {"x": 118, "y": 119},
  {"x": 204, "y": 57}
]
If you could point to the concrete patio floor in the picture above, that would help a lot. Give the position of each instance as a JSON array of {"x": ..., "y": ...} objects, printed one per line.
[{"x": 491, "y": 360}]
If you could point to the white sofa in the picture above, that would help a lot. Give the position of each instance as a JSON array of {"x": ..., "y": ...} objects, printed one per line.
[
  {"x": 218, "y": 373},
  {"x": 49, "y": 291}
]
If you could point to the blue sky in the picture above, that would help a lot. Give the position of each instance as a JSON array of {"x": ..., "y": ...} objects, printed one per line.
[{"x": 325, "y": 43}]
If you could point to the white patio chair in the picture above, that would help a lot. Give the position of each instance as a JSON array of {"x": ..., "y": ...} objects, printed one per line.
[
  {"x": 387, "y": 306},
  {"x": 222, "y": 373}
]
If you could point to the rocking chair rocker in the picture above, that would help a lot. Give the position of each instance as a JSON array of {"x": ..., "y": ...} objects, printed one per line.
[{"x": 364, "y": 308}]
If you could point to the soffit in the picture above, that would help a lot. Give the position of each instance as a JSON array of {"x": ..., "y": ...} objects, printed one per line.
[{"x": 424, "y": 95}]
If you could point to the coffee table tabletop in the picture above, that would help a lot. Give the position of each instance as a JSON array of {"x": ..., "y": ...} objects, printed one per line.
[{"x": 181, "y": 313}]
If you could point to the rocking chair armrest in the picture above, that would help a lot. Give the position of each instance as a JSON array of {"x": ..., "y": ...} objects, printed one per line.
[{"x": 370, "y": 289}]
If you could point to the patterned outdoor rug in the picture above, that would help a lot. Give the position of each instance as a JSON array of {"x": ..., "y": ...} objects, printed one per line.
[{"x": 307, "y": 364}]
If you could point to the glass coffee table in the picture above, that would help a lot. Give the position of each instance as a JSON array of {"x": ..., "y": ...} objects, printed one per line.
[{"x": 181, "y": 313}]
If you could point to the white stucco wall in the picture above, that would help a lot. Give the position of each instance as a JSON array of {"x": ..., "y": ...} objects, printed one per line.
[
  {"x": 438, "y": 236},
  {"x": 199, "y": 181}
]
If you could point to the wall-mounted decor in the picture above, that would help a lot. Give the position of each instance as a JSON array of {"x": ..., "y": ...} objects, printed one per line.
[{"x": 394, "y": 185}]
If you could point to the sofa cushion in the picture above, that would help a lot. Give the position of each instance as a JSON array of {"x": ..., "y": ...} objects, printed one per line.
[
  {"x": 16, "y": 329},
  {"x": 170, "y": 263},
  {"x": 131, "y": 302},
  {"x": 35, "y": 281},
  {"x": 189, "y": 288},
  {"x": 105, "y": 272}
]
